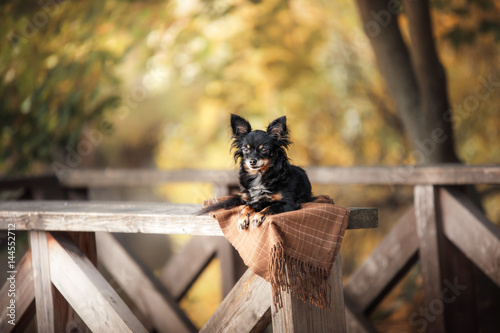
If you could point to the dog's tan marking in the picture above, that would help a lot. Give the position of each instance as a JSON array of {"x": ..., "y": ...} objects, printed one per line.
[
  {"x": 277, "y": 197},
  {"x": 265, "y": 166},
  {"x": 248, "y": 146}
]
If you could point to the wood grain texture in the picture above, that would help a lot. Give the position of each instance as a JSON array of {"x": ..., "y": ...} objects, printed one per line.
[
  {"x": 164, "y": 314},
  {"x": 24, "y": 297},
  {"x": 470, "y": 231},
  {"x": 297, "y": 316},
  {"x": 385, "y": 266},
  {"x": 128, "y": 217},
  {"x": 66, "y": 319},
  {"x": 107, "y": 216},
  {"x": 447, "y": 174},
  {"x": 245, "y": 309},
  {"x": 42, "y": 281},
  {"x": 428, "y": 229},
  {"x": 85, "y": 289}
]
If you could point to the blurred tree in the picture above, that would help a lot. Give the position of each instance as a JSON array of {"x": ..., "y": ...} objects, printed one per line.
[{"x": 58, "y": 76}]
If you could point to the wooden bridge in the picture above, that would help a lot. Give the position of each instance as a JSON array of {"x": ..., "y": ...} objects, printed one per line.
[{"x": 443, "y": 230}]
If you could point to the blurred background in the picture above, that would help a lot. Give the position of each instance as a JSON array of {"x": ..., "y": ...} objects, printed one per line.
[{"x": 151, "y": 84}]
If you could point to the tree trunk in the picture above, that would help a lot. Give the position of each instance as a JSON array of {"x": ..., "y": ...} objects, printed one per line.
[{"x": 415, "y": 78}]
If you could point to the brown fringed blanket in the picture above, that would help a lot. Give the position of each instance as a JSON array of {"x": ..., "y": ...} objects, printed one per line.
[{"x": 303, "y": 243}]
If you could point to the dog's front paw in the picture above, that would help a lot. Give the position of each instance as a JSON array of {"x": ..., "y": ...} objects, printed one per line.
[
  {"x": 258, "y": 219},
  {"x": 244, "y": 220}
]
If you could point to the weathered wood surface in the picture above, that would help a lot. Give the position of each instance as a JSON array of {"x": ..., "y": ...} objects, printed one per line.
[
  {"x": 467, "y": 227},
  {"x": 387, "y": 263},
  {"x": 405, "y": 175},
  {"x": 163, "y": 313},
  {"x": 128, "y": 217},
  {"x": 42, "y": 282},
  {"x": 85, "y": 289},
  {"x": 24, "y": 297},
  {"x": 66, "y": 319},
  {"x": 247, "y": 308},
  {"x": 443, "y": 174},
  {"x": 297, "y": 316},
  {"x": 428, "y": 230}
]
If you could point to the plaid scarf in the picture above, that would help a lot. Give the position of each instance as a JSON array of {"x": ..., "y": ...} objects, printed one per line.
[{"x": 294, "y": 251}]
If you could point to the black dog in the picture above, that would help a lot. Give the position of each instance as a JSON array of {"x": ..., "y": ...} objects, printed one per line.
[{"x": 269, "y": 184}]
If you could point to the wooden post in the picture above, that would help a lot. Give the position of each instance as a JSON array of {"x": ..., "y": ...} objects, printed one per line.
[
  {"x": 444, "y": 269},
  {"x": 297, "y": 316},
  {"x": 428, "y": 231},
  {"x": 41, "y": 279}
]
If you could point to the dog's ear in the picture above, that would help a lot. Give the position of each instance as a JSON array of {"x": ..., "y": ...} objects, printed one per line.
[
  {"x": 277, "y": 129},
  {"x": 239, "y": 126}
]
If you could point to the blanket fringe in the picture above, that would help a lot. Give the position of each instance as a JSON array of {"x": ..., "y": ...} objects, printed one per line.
[{"x": 301, "y": 279}]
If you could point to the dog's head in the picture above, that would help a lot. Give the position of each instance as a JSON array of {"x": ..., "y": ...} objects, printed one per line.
[{"x": 259, "y": 150}]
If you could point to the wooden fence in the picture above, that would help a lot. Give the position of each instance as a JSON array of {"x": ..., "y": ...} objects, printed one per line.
[
  {"x": 443, "y": 230},
  {"x": 68, "y": 263}
]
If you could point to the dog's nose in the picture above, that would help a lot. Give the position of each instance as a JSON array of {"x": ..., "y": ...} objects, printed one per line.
[{"x": 253, "y": 161}]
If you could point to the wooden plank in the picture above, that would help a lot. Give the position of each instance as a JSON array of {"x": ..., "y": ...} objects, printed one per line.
[
  {"x": 66, "y": 319},
  {"x": 163, "y": 312},
  {"x": 297, "y": 316},
  {"x": 128, "y": 217},
  {"x": 385, "y": 266},
  {"x": 198, "y": 252},
  {"x": 107, "y": 216},
  {"x": 449, "y": 174},
  {"x": 124, "y": 177},
  {"x": 428, "y": 230},
  {"x": 469, "y": 230},
  {"x": 86, "y": 290},
  {"x": 363, "y": 218},
  {"x": 23, "y": 295},
  {"x": 42, "y": 281},
  {"x": 245, "y": 309}
]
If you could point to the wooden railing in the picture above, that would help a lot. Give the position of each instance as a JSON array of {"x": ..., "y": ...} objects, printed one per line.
[
  {"x": 443, "y": 230},
  {"x": 58, "y": 259}
]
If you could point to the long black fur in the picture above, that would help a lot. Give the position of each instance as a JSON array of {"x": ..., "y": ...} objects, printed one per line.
[{"x": 269, "y": 184}]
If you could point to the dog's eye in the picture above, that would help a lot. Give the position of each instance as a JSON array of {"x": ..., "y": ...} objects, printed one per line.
[
  {"x": 245, "y": 150},
  {"x": 264, "y": 150}
]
